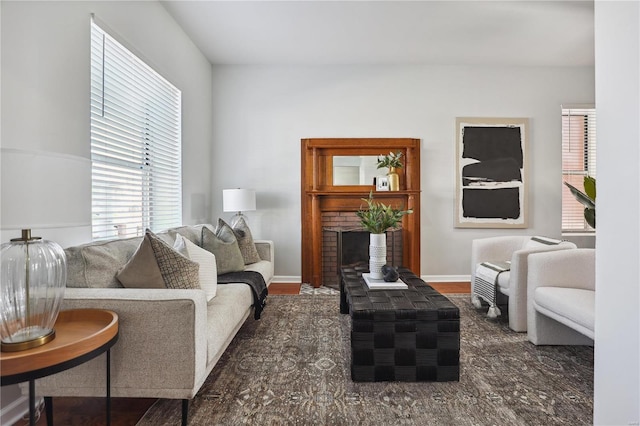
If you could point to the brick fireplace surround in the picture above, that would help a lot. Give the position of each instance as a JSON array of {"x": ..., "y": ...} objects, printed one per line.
[{"x": 343, "y": 224}]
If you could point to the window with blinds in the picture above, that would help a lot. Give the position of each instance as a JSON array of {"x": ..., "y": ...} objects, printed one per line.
[
  {"x": 135, "y": 143},
  {"x": 578, "y": 161}
]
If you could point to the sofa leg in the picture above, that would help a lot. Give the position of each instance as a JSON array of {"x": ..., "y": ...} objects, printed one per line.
[{"x": 185, "y": 412}]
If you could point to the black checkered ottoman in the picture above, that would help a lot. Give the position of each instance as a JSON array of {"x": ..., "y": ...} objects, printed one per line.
[{"x": 400, "y": 335}]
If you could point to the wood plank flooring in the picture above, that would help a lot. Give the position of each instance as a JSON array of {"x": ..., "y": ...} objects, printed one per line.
[
  {"x": 127, "y": 411},
  {"x": 71, "y": 411},
  {"x": 452, "y": 287},
  {"x": 284, "y": 288}
]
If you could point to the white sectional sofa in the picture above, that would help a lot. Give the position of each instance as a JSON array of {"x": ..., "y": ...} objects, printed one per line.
[
  {"x": 169, "y": 339},
  {"x": 561, "y": 302}
]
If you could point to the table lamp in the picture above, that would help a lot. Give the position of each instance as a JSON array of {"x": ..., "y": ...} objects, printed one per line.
[
  {"x": 238, "y": 200},
  {"x": 34, "y": 275},
  {"x": 41, "y": 191}
]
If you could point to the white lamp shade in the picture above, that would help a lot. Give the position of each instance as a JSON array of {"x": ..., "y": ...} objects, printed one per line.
[
  {"x": 238, "y": 200},
  {"x": 42, "y": 190},
  {"x": 47, "y": 192}
]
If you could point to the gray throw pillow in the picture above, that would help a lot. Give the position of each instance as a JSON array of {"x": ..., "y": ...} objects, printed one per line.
[
  {"x": 224, "y": 246},
  {"x": 157, "y": 265},
  {"x": 245, "y": 242},
  {"x": 177, "y": 270}
]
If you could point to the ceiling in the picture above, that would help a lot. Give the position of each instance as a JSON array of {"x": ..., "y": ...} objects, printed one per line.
[{"x": 311, "y": 32}]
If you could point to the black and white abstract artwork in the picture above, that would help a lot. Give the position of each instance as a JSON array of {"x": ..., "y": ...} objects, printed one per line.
[{"x": 491, "y": 173}]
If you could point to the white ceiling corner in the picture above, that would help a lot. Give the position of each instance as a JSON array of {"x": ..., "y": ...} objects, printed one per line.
[{"x": 514, "y": 32}]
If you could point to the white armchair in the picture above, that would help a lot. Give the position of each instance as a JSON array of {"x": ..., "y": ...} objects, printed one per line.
[
  {"x": 561, "y": 297},
  {"x": 512, "y": 283}
]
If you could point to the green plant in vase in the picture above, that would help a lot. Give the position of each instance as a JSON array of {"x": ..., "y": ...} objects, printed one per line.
[
  {"x": 376, "y": 219},
  {"x": 379, "y": 217},
  {"x": 586, "y": 198},
  {"x": 392, "y": 161}
]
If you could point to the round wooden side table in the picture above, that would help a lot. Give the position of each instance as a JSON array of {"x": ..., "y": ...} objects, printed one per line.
[{"x": 81, "y": 335}]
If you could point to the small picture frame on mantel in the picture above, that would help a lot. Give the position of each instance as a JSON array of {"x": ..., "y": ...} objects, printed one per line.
[{"x": 382, "y": 183}]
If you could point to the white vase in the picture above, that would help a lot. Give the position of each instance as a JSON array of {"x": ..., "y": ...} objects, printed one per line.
[{"x": 377, "y": 254}]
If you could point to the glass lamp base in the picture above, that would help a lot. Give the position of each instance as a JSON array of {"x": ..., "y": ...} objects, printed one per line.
[{"x": 236, "y": 218}]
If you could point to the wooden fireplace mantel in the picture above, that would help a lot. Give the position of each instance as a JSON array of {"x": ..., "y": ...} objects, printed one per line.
[{"x": 320, "y": 195}]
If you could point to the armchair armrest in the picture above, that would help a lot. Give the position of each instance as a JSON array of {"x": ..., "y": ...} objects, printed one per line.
[
  {"x": 161, "y": 350},
  {"x": 494, "y": 248},
  {"x": 519, "y": 259},
  {"x": 518, "y": 281}
]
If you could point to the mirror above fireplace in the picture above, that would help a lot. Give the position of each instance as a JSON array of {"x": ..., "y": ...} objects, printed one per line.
[{"x": 355, "y": 169}]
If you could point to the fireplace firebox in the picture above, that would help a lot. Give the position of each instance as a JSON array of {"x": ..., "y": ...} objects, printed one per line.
[{"x": 345, "y": 246}]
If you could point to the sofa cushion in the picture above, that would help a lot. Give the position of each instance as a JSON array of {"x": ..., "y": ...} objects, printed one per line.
[
  {"x": 94, "y": 265},
  {"x": 153, "y": 255},
  {"x": 224, "y": 246},
  {"x": 245, "y": 242},
  {"x": 169, "y": 238},
  {"x": 264, "y": 267},
  {"x": 226, "y": 314},
  {"x": 207, "y": 261},
  {"x": 503, "y": 281},
  {"x": 192, "y": 233},
  {"x": 574, "y": 304}
]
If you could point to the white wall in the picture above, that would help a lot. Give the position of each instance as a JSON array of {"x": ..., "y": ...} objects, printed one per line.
[
  {"x": 45, "y": 90},
  {"x": 45, "y": 103},
  {"x": 262, "y": 113},
  {"x": 617, "y": 349}
]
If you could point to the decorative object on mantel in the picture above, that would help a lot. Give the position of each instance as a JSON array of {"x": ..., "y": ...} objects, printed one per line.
[
  {"x": 587, "y": 199},
  {"x": 381, "y": 183},
  {"x": 34, "y": 275},
  {"x": 238, "y": 200},
  {"x": 392, "y": 162},
  {"x": 377, "y": 218}
]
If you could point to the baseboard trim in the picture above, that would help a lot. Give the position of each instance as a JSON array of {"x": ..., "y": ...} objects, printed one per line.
[
  {"x": 286, "y": 279},
  {"x": 445, "y": 278},
  {"x": 428, "y": 278}
]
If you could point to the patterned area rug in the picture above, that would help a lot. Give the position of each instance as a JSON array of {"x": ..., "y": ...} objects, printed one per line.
[
  {"x": 309, "y": 289},
  {"x": 292, "y": 368}
]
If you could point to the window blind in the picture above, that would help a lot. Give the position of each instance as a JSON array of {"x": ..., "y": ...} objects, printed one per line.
[
  {"x": 135, "y": 143},
  {"x": 578, "y": 161}
]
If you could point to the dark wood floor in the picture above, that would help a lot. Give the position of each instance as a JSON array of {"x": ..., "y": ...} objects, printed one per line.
[
  {"x": 92, "y": 411},
  {"x": 284, "y": 288},
  {"x": 127, "y": 411},
  {"x": 453, "y": 287}
]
